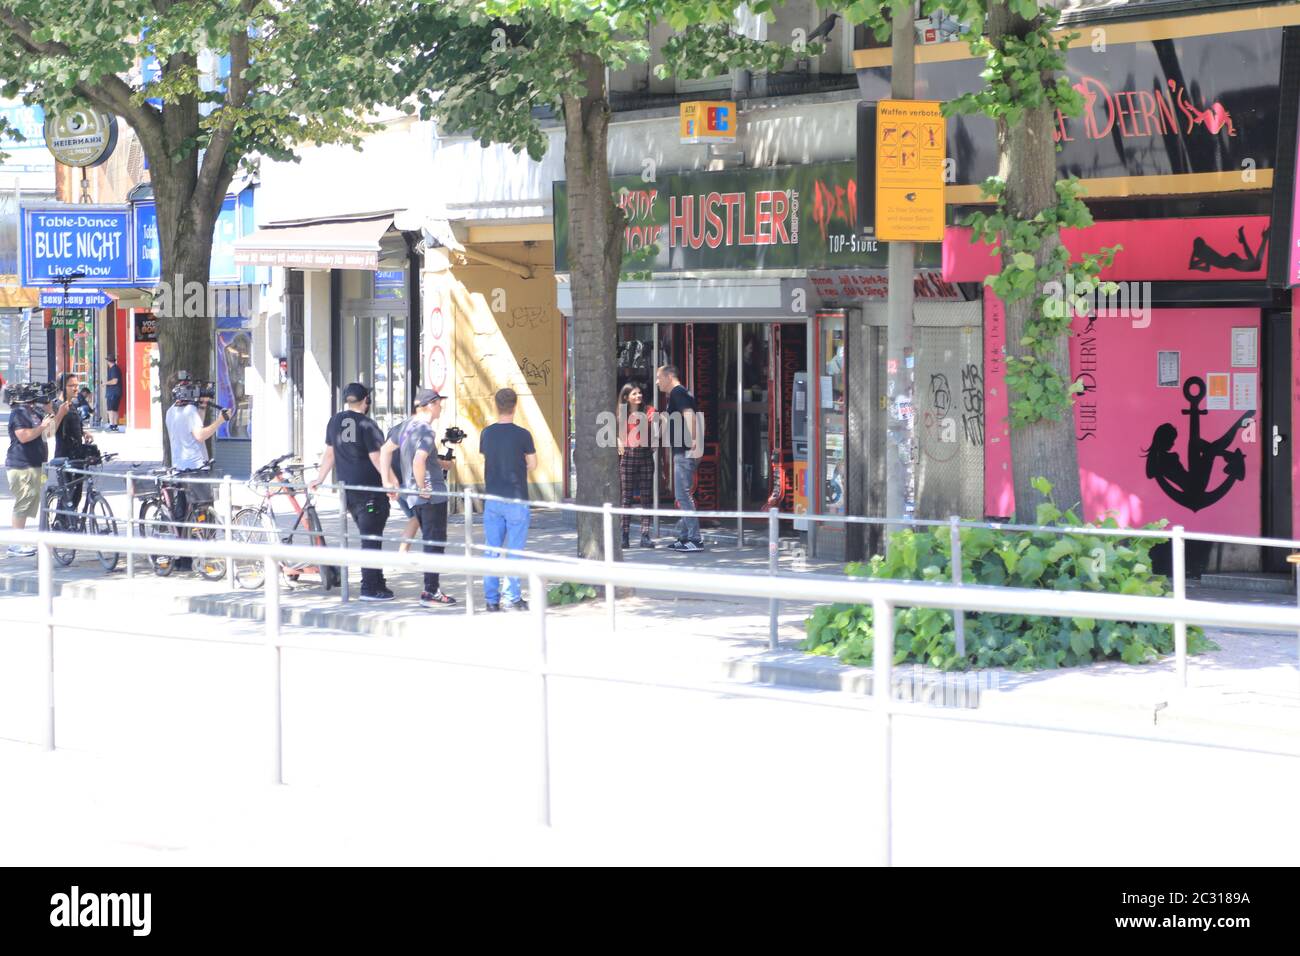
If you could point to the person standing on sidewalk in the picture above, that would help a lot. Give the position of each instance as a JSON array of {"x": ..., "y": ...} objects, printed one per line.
[
  {"x": 24, "y": 461},
  {"x": 390, "y": 465},
  {"x": 509, "y": 454},
  {"x": 70, "y": 441},
  {"x": 112, "y": 392},
  {"x": 636, "y": 462},
  {"x": 352, "y": 443},
  {"x": 682, "y": 428},
  {"x": 424, "y": 479}
]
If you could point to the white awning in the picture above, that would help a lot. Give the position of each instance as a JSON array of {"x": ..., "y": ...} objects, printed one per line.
[{"x": 334, "y": 244}]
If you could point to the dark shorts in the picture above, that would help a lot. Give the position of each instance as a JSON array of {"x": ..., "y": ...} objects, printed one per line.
[{"x": 112, "y": 398}]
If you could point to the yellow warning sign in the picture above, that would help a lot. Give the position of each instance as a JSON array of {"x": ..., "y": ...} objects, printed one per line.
[{"x": 910, "y": 149}]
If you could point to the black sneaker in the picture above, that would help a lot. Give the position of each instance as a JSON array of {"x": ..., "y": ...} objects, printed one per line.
[
  {"x": 437, "y": 599},
  {"x": 647, "y": 541},
  {"x": 383, "y": 594},
  {"x": 520, "y": 605},
  {"x": 689, "y": 547},
  {"x": 494, "y": 607}
]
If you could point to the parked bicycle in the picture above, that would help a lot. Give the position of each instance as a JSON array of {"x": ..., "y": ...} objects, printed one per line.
[
  {"x": 274, "y": 480},
  {"x": 178, "y": 509},
  {"x": 62, "y": 511}
]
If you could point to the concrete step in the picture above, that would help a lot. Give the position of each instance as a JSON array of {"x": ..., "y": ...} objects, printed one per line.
[{"x": 1250, "y": 581}]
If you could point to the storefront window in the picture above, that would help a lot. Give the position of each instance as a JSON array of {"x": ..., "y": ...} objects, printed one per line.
[{"x": 234, "y": 356}]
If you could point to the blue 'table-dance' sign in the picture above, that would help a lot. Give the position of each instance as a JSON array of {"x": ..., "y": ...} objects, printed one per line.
[
  {"x": 90, "y": 241},
  {"x": 148, "y": 250}
]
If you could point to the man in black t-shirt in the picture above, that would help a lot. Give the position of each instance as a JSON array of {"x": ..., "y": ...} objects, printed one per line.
[
  {"x": 352, "y": 443},
  {"x": 509, "y": 455},
  {"x": 683, "y": 429},
  {"x": 70, "y": 443}
]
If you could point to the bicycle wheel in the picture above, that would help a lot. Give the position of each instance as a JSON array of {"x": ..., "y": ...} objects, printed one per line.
[
  {"x": 100, "y": 520},
  {"x": 210, "y": 568},
  {"x": 57, "y": 518},
  {"x": 329, "y": 575},
  {"x": 252, "y": 526},
  {"x": 156, "y": 523}
]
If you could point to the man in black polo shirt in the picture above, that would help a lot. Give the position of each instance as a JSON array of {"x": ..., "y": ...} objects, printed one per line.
[{"x": 352, "y": 443}]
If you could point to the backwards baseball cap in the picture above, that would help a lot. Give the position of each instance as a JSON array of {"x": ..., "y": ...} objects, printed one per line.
[
  {"x": 355, "y": 392},
  {"x": 426, "y": 396}
]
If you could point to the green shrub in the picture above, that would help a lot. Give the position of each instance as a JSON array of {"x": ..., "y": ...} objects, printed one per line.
[
  {"x": 569, "y": 593},
  {"x": 1076, "y": 561}
]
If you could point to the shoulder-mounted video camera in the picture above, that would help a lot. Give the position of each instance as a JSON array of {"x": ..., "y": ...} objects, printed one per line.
[
  {"x": 452, "y": 436},
  {"x": 188, "y": 391},
  {"x": 30, "y": 393}
]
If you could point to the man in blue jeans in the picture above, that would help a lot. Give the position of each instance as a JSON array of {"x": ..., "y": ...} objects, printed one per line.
[
  {"x": 682, "y": 428},
  {"x": 509, "y": 455}
]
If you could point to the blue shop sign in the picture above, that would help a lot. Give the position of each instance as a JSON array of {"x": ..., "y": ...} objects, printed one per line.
[
  {"x": 390, "y": 284},
  {"x": 148, "y": 251},
  {"x": 74, "y": 299},
  {"x": 60, "y": 240}
]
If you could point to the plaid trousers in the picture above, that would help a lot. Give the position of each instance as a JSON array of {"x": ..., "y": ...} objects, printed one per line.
[{"x": 636, "y": 470}]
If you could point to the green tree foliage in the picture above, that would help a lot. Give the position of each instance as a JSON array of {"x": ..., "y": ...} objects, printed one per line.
[{"x": 300, "y": 73}]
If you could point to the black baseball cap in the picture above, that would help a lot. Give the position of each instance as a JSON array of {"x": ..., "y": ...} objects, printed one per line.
[
  {"x": 426, "y": 396},
  {"x": 355, "y": 392}
]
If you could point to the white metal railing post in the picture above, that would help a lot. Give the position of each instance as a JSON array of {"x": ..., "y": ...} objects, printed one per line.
[
  {"x": 130, "y": 523},
  {"x": 45, "y": 576},
  {"x": 469, "y": 547},
  {"x": 1178, "y": 550},
  {"x": 607, "y": 516},
  {"x": 537, "y": 594},
  {"x": 345, "y": 571},
  {"x": 882, "y": 665},
  {"x": 773, "y": 550},
  {"x": 958, "y": 615},
  {"x": 228, "y": 509},
  {"x": 271, "y": 573}
]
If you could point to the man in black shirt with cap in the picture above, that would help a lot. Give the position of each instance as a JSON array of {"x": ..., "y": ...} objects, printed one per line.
[{"x": 352, "y": 443}]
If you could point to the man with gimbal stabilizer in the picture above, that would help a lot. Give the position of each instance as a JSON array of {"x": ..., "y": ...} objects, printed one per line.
[{"x": 425, "y": 484}]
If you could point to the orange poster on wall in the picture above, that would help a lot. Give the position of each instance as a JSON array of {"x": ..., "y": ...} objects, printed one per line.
[{"x": 141, "y": 378}]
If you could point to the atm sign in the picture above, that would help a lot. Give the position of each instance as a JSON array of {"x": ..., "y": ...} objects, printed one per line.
[{"x": 708, "y": 121}]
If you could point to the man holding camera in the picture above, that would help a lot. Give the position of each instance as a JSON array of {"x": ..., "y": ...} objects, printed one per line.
[
  {"x": 188, "y": 437},
  {"x": 352, "y": 443},
  {"x": 29, "y": 427},
  {"x": 424, "y": 480}
]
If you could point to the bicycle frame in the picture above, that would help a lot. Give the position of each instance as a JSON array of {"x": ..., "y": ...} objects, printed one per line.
[{"x": 282, "y": 485}]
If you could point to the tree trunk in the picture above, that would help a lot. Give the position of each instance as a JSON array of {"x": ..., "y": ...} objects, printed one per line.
[
  {"x": 1027, "y": 163},
  {"x": 596, "y": 259}
]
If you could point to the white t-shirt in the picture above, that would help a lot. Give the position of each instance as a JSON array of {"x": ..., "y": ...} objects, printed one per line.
[{"x": 187, "y": 451}]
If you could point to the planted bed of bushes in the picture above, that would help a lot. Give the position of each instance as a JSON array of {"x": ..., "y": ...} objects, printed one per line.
[{"x": 1072, "y": 561}]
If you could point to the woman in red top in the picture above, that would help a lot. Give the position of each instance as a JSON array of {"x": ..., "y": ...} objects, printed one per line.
[{"x": 636, "y": 462}]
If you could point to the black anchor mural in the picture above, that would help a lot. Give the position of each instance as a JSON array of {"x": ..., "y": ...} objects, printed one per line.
[{"x": 1189, "y": 485}]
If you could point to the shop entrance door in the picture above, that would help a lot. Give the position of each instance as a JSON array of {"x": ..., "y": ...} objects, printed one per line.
[
  {"x": 375, "y": 354},
  {"x": 742, "y": 375},
  {"x": 1275, "y": 435}
]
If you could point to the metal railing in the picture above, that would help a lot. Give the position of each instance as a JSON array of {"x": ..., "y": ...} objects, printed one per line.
[
  {"x": 884, "y": 596},
  {"x": 1177, "y": 536}
]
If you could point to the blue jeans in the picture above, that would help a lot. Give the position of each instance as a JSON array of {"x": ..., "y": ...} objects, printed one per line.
[
  {"x": 684, "y": 469},
  {"x": 504, "y": 524}
]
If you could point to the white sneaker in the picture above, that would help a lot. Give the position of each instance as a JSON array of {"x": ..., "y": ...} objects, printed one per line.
[{"x": 21, "y": 551}]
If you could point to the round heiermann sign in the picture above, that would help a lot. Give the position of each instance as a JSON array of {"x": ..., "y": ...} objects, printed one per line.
[{"x": 81, "y": 137}]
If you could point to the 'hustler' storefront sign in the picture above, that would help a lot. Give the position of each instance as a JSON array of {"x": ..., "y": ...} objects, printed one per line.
[{"x": 790, "y": 217}]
